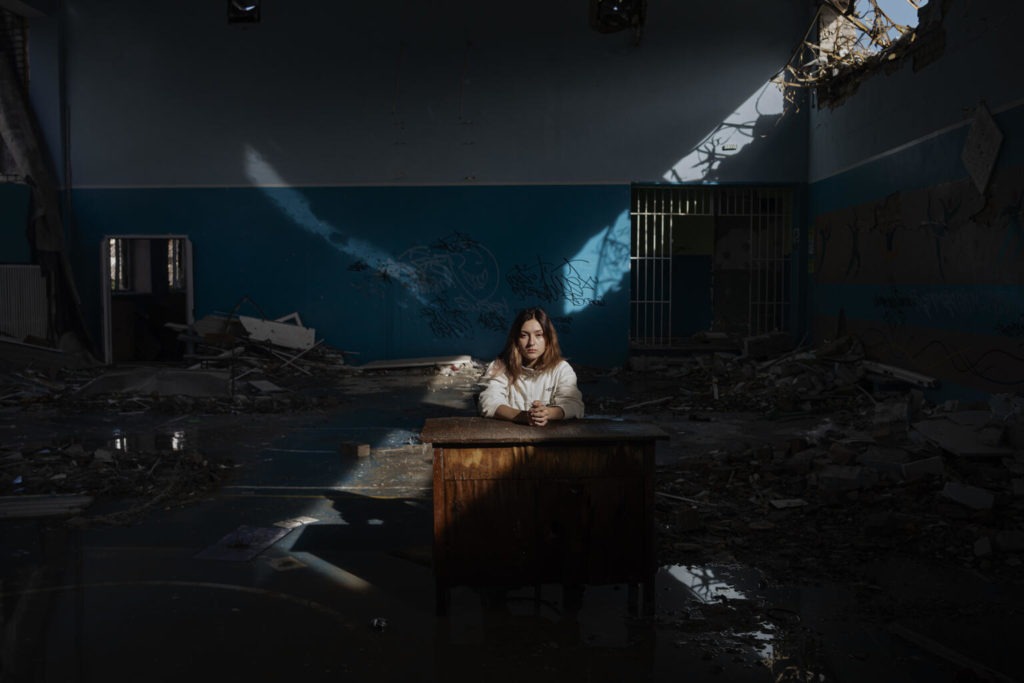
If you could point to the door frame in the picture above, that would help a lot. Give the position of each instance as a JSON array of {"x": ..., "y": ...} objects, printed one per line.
[{"x": 105, "y": 293}]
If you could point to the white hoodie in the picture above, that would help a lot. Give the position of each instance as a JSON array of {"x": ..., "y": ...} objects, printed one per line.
[{"x": 554, "y": 387}]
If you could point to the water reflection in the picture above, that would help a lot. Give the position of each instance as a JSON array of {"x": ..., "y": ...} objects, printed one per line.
[
  {"x": 705, "y": 584},
  {"x": 175, "y": 441},
  {"x": 729, "y": 588}
]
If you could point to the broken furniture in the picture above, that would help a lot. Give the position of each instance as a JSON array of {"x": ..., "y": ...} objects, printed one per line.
[{"x": 569, "y": 503}]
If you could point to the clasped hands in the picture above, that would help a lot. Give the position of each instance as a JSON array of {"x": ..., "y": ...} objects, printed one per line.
[{"x": 540, "y": 414}]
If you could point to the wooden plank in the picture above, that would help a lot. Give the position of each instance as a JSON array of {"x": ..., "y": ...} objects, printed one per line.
[
  {"x": 415, "y": 362},
  {"x": 480, "y": 430}
]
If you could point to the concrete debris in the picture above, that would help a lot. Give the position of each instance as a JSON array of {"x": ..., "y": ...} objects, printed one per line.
[
  {"x": 971, "y": 496},
  {"x": 877, "y": 467},
  {"x": 964, "y": 440},
  {"x": 287, "y": 331},
  {"x": 925, "y": 467},
  {"x": 887, "y": 462},
  {"x": 846, "y": 477},
  {"x": 1011, "y": 541},
  {"x": 786, "y": 503}
]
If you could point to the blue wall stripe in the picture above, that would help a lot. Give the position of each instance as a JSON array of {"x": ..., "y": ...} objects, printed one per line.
[{"x": 392, "y": 272}]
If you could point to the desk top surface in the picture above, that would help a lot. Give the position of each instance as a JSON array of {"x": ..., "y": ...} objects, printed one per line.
[{"x": 477, "y": 430}]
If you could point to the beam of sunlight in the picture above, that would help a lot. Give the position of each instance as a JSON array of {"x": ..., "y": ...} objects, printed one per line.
[
  {"x": 296, "y": 207},
  {"x": 599, "y": 268},
  {"x": 729, "y": 137},
  {"x": 334, "y": 573}
]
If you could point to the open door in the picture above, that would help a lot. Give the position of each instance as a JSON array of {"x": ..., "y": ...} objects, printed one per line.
[{"x": 146, "y": 284}]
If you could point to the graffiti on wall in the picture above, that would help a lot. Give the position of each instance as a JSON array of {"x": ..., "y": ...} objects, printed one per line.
[
  {"x": 553, "y": 282},
  {"x": 943, "y": 234},
  {"x": 989, "y": 363},
  {"x": 454, "y": 282},
  {"x": 934, "y": 277},
  {"x": 988, "y": 311}
]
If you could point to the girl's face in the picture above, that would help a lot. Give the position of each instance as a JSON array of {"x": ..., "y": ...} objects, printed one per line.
[{"x": 531, "y": 342}]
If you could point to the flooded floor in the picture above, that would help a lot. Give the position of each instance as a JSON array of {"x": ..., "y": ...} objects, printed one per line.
[{"x": 311, "y": 563}]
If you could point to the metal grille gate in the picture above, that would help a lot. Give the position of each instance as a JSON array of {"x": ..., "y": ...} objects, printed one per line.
[{"x": 769, "y": 211}]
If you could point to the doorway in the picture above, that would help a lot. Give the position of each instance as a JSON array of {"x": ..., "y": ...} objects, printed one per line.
[
  {"x": 714, "y": 259},
  {"x": 147, "y": 296}
]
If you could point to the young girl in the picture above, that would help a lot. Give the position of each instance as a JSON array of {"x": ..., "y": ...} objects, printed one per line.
[{"x": 529, "y": 382}]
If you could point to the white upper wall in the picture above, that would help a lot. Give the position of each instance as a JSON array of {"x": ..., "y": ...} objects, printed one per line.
[{"x": 397, "y": 92}]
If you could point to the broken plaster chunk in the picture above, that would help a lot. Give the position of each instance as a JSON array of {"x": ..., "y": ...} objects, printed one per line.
[
  {"x": 925, "y": 467},
  {"x": 971, "y": 496},
  {"x": 842, "y": 454},
  {"x": 102, "y": 455},
  {"x": 991, "y": 435},
  {"x": 888, "y": 462},
  {"x": 846, "y": 477},
  {"x": 784, "y": 503},
  {"x": 892, "y": 411},
  {"x": 983, "y": 547},
  {"x": 1010, "y": 541}
]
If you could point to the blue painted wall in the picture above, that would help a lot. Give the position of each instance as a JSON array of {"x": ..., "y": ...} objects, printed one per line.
[
  {"x": 14, "y": 207},
  {"x": 395, "y": 272}
]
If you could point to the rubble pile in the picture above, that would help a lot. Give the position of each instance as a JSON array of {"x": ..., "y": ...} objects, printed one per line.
[
  {"x": 948, "y": 488},
  {"x": 802, "y": 381},
  {"x": 143, "y": 478},
  {"x": 28, "y": 387},
  {"x": 261, "y": 366}
]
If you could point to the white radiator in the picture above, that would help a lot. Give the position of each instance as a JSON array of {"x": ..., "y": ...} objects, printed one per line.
[{"x": 23, "y": 303}]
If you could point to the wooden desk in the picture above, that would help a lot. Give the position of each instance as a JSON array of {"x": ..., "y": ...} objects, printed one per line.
[{"x": 570, "y": 503}]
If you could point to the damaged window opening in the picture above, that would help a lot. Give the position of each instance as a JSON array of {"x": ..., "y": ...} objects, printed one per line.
[
  {"x": 175, "y": 265},
  {"x": 854, "y": 38},
  {"x": 120, "y": 266}
]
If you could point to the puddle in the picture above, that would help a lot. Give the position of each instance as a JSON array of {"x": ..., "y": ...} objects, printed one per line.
[
  {"x": 711, "y": 584},
  {"x": 129, "y": 442}
]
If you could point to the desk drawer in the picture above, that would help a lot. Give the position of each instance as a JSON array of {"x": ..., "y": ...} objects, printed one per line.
[{"x": 544, "y": 461}]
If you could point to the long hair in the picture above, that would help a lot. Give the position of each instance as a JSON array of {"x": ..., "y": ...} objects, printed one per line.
[{"x": 513, "y": 360}]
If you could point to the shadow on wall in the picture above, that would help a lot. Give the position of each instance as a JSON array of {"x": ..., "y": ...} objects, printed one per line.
[{"x": 763, "y": 127}]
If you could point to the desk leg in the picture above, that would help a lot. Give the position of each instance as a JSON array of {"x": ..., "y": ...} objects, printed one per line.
[
  {"x": 648, "y": 593},
  {"x": 443, "y": 598},
  {"x": 650, "y": 550},
  {"x": 441, "y": 583}
]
